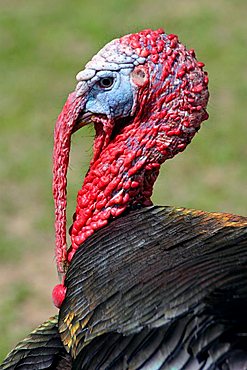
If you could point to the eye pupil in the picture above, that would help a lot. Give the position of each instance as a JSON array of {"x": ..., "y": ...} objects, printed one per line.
[{"x": 106, "y": 82}]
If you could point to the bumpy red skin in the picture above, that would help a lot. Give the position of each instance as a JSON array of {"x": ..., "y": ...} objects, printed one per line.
[
  {"x": 62, "y": 134},
  {"x": 171, "y": 106},
  {"x": 58, "y": 294}
]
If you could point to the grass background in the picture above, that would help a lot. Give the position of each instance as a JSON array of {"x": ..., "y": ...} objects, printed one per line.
[{"x": 43, "y": 45}]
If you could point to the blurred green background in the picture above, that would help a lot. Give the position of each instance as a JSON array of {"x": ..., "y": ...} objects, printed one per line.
[{"x": 43, "y": 45}]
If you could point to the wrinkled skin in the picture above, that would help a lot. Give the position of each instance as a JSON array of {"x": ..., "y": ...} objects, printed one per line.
[{"x": 146, "y": 95}]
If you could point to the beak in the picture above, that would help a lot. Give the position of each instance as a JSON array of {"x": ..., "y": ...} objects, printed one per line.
[{"x": 82, "y": 120}]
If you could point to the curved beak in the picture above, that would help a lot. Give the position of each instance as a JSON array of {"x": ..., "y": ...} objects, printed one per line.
[{"x": 82, "y": 120}]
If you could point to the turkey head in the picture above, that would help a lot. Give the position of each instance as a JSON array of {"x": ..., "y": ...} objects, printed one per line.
[{"x": 146, "y": 95}]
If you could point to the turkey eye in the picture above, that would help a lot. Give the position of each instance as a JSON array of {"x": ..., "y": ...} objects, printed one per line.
[{"x": 106, "y": 82}]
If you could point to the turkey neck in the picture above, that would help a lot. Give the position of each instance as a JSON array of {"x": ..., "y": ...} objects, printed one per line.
[
  {"x": 121, "y": 177},
  {"x": 126, "y": 162}
]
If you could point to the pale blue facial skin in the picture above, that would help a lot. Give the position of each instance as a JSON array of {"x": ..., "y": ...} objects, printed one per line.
[{"x": 114, "y": 101}]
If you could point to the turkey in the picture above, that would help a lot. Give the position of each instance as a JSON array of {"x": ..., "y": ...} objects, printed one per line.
[{"x": 142, "y": 286}]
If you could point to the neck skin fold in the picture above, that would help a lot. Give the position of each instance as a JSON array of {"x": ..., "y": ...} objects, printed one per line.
[{"x": 121, "y": 178}]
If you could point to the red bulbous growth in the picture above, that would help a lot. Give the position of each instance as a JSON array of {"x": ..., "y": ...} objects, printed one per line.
[{"x": 58, "y": 295}]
